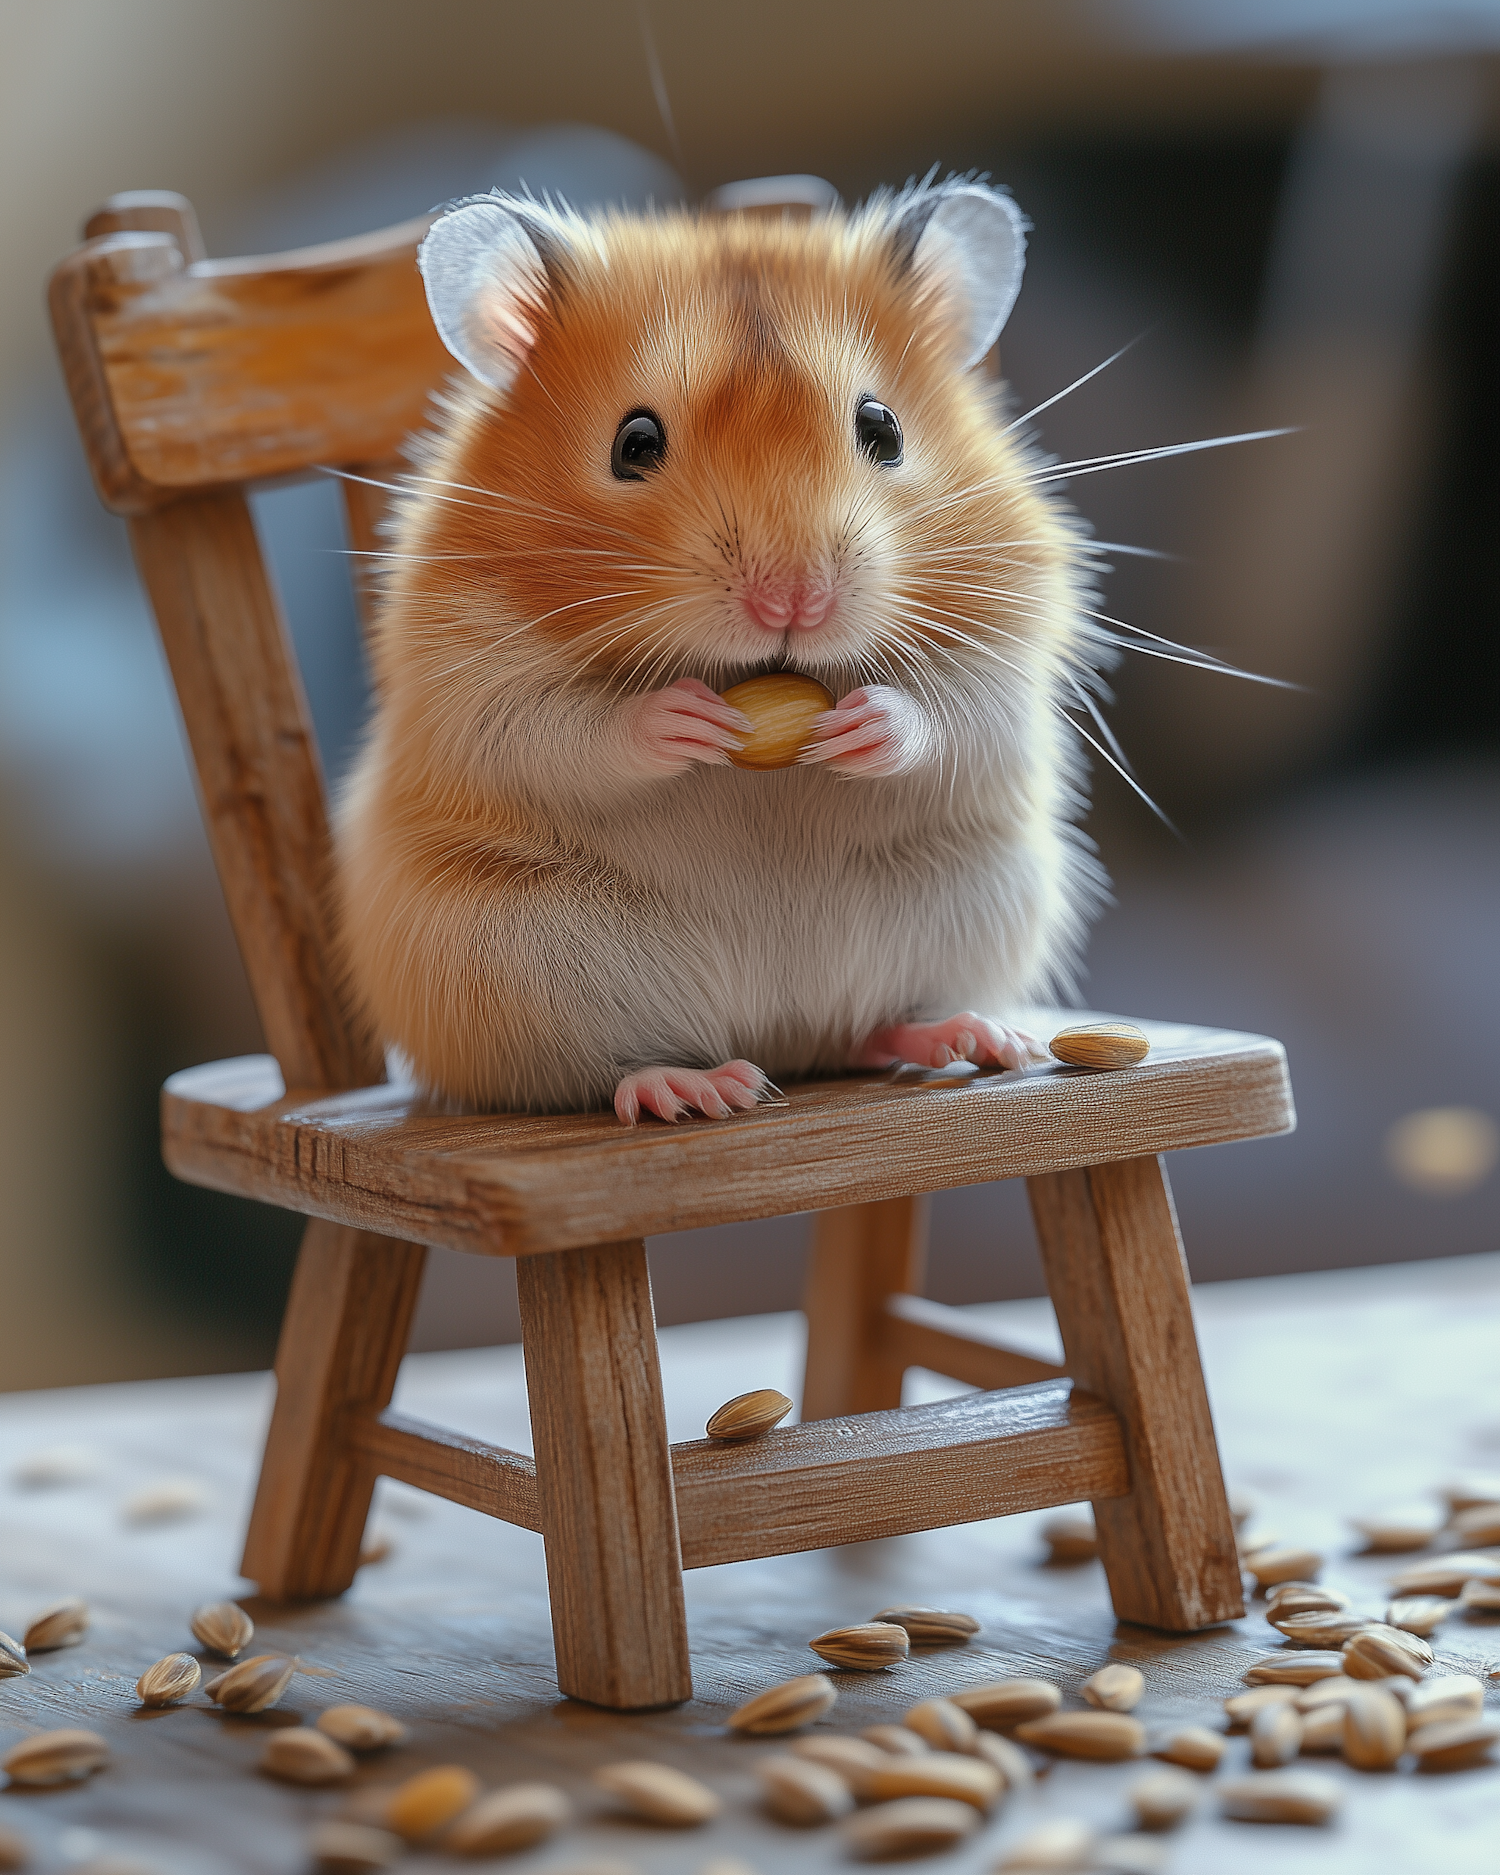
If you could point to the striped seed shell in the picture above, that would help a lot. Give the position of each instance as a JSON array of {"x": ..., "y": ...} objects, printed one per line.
[
  {"x": 748, "y": 1415},
  {"x": 1455, "y": 1746},
  {"x": 1005, "y": 1703},
  {"x": 1480, "y": 1598},
  {"x": 1330, "y": 1692},
  {"x": 934, "y": 1774},
  {"x": 1241, "y": 1708},
  {"x": 13, "y": 1661},
  {"x": 1419, "y": 1614},
  {"x": 1323, "y": 1730},
  {"x": 223, "y": 1628},
  {"x": 1399, "y": 1530},
  {"x": 1281, "y": 1797},
  {"x": 1374, "y": 1729},
  {"x": 1161, "y": 1799},
  {"x": 931, "y": 1627},
  {"x": 339, "y": 1847},
  {"x": 1319, "y": 1627},
  {"x": 64, "y": 1624},
  {"x": 1480, "y": 1524},
  {"x": 1446, "y": 1575},
  {"x": 1063, "y": 1844},
  {"x": 1114, "y": 1688},
  {"x": 509, "y": 1819},
  {"x": 1379, "y": 1650},
  {"x": 1194, "y": 1747},
  {"x": 802, "y": 1792},
  {"x": 300, "y": 1755},
  {"x": 1445, "y": 1700},
  {"x": 659, "y": 1792},
  {"x": 786, "y": 1707},
  {"x": 910, "y": 1826},
  {"x": 424, "y": 1804},
  {"x": 1007, "y": 1758},
  {"x": 1295, "y": 1668},
  {"x": 896, "y": 1740},
  {"x": 1275, "y": 1736},
  {"x": 1071, "y": 1537},
  {"x": 1099, "y": 1735},
  {"x": 1100, "y": 1045},
  {"x": 361, "y": 1728},
  {"x": 945, "y": 1726},
  {"x": 61, "y": 1757},
  {"x": 850, "y": 1757},
  {"x": 1270, "y": 1566},
  {"x": 1301, "y": 1598},
  {"x": 172, "y": 1677},
  {"x": 254, "y": 1685},
  {"x": 866, "y": 1647}
]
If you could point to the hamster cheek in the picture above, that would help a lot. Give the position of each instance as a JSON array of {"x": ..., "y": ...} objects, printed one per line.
[{"x": 872, "y": 732}]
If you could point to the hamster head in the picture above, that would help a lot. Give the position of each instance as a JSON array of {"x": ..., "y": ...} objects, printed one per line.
[{"x": 711, "y": 446}]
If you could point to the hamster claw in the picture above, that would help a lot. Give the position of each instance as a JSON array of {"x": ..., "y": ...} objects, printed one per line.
[{"x": 669, "y": 1093}]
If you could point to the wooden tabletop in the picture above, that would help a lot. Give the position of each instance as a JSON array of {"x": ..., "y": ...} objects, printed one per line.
[{"x": 1334, "y": 1395}]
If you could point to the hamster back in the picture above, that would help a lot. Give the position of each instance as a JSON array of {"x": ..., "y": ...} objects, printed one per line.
[{"x": 683, "y": 453}]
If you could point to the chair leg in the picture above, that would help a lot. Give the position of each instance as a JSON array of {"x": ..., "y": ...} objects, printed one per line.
[
  {"x": 1119, "y": 1285},
  {"x": 862, "y": 1253},
  {"x": 342, "y": 1339},
  {"x": 604, "y": 1476}
]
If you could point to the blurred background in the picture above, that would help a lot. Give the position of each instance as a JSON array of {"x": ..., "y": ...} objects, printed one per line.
[{"x": 1293, "y": 207}]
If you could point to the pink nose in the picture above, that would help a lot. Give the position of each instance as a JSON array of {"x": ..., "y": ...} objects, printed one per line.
[{"x": 787, "y": 608}]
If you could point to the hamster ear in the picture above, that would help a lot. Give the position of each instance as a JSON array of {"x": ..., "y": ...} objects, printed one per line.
[
  {"x": 486, "y": 284},
  {"x": 973, "y": 240}
]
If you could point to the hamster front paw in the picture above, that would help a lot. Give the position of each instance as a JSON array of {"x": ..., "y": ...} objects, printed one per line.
[
  {"x": 668, "y": 730},
  {"x": 671, "y": 1092},
  {"x": 875, "y": 731},
  {"x": 961, "y": 1038}
]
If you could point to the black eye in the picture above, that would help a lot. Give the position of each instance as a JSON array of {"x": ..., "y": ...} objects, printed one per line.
[
  {"x": 640, "y": 444},
  {"x": 879, "y": 433}
]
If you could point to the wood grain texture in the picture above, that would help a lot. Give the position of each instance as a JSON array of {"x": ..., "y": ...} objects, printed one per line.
[
  {"x": 860, "y": 1254},
  {"x": 512, "y": 1184},
  {"x": 149, "y": 211},
  {"x": 919, "y": 1333},
  {"x": 849, "y": 1479},
  {"x": 259, "y": 776},
  {"x": 216, "y": 373},
  {"x": 604, "y": 1477},
  {"x": 1119, "y": 1286},
  {"x": 342, "y": 1340},
  {"x": 488, "y": 1478}
]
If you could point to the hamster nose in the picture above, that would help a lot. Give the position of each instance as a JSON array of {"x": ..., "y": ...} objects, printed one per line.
[{"x": 781, "y": 609}]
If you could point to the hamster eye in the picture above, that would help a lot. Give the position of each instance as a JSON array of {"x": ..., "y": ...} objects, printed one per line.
[
  {"x": 879, "y": 434},
  {"x": 640, "y": 444}
]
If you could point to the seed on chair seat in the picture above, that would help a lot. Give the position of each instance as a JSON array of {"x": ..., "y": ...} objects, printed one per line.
[
  {"x": 303, "y": 1756},
  {"x": 1007, "y": 1758},
  {"x": 1318, "y": 1627},
  {"x": 931, "y": 1627},
  {"x": 361, "y": 1728},
  {"x": 254, "y": 1685},
  {"x": 64, "y": 1624},
  {"x": 659, "y": 1792},
  {"x": 785, "y": 1708},
  {"x": 910, "y": 1826},
  {"x": 896, "y": 1740},
  {"x": 866, "y": 1648},
  {"x": 1450, "y": 1697},
  {"x": 1419, "y": 1614},
  {"x": 1374, "y": 1729},
  {"x": 849, "y": 1757},
  {"x": 1323, "y": 1729},
  {"x": 1393, "y": 1532},
  {"x": 945, "y": 1726},
  {"x": 1005, "y": 1703},
  {"x": 1241, "y": 1708},
  {"x": 223, "y": 1628},
  {"x": 1457, "y": 1745},
  {"x": 1446, "y": 1575},
  {"x": 1480, "y": 1598},
  {"x": 1101, "y": 1045},
  {"x": 171, "y": 1678},
  {"x": 1295, "y": 1669},
  {"x": 61, "y": 1757},
  {"x": 13, "y": 1661},
  {"x": 1099, "y": 1735},
  {"x": 1379, "y": 1650},
  {"x": 748, "y": 1415},
  {"x": 804, "y": 1792},
  {"x": 934, "y": 1774},
  {"x": 1270, "y": 1566},
  {"x": 1114, "y": 1688}
]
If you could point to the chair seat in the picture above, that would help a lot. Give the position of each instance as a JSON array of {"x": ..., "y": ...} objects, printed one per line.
[{"x": 385, "y": 1159}]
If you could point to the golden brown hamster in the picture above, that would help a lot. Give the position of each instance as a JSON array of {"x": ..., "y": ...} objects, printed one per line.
[{"x": 686, "y": 450}]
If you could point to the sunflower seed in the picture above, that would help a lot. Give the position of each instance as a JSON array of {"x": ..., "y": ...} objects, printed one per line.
[
  {"x": 223, "y": 1628},
  {"x": 1319, "y": 1627},
  {"x": 424, "y": 1803},
  {"x": 1419, "y": 1614},
  {"x": 1323, "y": 1730},
  {"x": 1403, "y": 1530},
  {"x": 1275, "y": 1736},
  {"x": 1302, "y": 1598},
  {"x": 1481, "y": 1598},
  {"x": 509, "y": 1819},
  {"x": 13, "y": 1661},
  {"x": 1270, "y": 1566},
  {"x": 910, "y": 1826},
  {"x": 1455, "y": 1746},
  {"x": 168, "y": 1501},
  {"x": 1331, "y": 1692},
  {"x": 659, "y": 1793},
  {"x": 1062, "y": 1846},
  {"x": 1241, "y": 1708},
  {"x": 931, "y": 1627},
  {"x": 1294, "y": 1669},
  {"x": 1102, "y": 1735},
  {"x": 866, "y": 1648},
  {"x": 1445, "y": 1700},
  {"x": 64, "y": 1624},
  {"x": 57, "y": 1465},
  {"x": 896, "y": 1740},
  {"x": 1008, "y": 1702},
  {"x": 748, "y": 1415},
  {"x": 302, "y": 1756},
  {"x": 361, "y": 1728},
  {"x": 342, "y": 1848},
  {"x": 1374, "y": 1729},
  {"x": 1281, "y": 1797},
  {"x": 1480, "y": 1524},
  {"x": 1380, "y": 1650},
  {"x": 1071, "y": 1538},
  {"x": 945, "y": 1726},
  {"x": 1129, "y": 1855},
  {"x": 849, "y": 1757},
  {"x": 1161, "y": 1799},
  {"x": 173, "y": 1677},
  {"x": 934, "y": 1774},
  {"x": 1100, "y": 1045},
  {"x": 1446, "y": 1575},
  {"x": 1114, "y": 1688},
  {"x": 1195, "y": 1747},
  {"x": 1466, "y": 1493},
  {"x": 802, "y": 1792},
  {"x": 62, "y": 1757},
  {"x": 785, "y": 1708},
  {"x": 1008, "y": 1759},
  {"x": 254, "y": 1685}
]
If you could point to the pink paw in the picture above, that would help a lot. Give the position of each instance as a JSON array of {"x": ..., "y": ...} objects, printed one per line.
[
  {"x": 671, "y": 1092},
  {"x": 875, "y": 731},
  {"x": 961, "y": 1038},
  {"x": 669, "y": 729}
]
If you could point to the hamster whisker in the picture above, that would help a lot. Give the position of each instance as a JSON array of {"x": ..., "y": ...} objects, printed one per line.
[
  {"x": 1095, "y": 465},
  {"x": 1100, "y": 724},
  {"x": 1057, "y": 396},
  {"x": 1190, "y": 654},
  {"x": 1126, "y": 777}
]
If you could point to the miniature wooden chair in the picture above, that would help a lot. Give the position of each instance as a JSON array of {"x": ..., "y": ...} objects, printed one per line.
[{"x": 193, "y": 380}]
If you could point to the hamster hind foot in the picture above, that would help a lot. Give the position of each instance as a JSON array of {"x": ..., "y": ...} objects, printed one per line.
[
  {"x": 671, "y": 1092},
  {"x": 965, "y": 1037}
]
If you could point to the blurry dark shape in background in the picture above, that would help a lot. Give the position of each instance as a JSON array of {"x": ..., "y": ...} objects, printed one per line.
[{"x": 1313, "y": 245}]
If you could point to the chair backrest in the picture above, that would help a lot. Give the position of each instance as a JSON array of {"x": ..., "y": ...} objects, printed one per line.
[{"x": 192, "y": 380}]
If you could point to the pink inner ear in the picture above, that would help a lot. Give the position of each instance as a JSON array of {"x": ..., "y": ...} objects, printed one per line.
[{"x": 501, "y": 324}]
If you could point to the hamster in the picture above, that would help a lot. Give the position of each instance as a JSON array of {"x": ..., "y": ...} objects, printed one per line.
[{"x": 686, "y": 450}]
